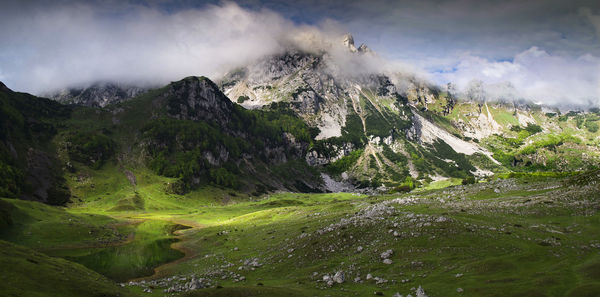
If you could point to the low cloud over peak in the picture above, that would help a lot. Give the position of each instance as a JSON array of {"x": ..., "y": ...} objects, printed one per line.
[
  {"x": 45, "y": 47},
  {"x": 68, "y": 46}
]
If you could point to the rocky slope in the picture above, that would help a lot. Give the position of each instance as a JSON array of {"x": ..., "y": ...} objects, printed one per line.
[
  {"x": 378, "y": 113},
  {"x": 188, "y": 130},
  {"x": 381, "y": 127},
  {"x": 97, "y": 95}
]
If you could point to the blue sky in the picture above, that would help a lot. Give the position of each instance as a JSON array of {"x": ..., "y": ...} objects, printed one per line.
[{"x": 544, "y": 48}]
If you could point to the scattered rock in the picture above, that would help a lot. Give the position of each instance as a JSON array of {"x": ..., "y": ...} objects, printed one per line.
[
  {"x": 339, "y": 277},
  {"x": 421, "y": 292},
  {"x": 387, "y": 254}
]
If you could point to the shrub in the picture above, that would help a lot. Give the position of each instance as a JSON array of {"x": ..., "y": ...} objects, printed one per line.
[
  {"x": 92, "y": 149},
  {"x": 11, "y": 180},
  {"x": 242, "y": 99},
  {"x": 344, "y": 163},
  {"x": 592, "y": 126},
  {"x": 533, "y": 129},
  {"x": 550, "y": 141},
  {"x": 468, "y": 181}
]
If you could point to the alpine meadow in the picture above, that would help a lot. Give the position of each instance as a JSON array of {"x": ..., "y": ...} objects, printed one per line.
[{"x": 252, "y": 148}]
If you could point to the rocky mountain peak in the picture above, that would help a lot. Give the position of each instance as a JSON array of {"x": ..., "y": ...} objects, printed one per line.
[
  {"x": 97, "y": 95},
  {"x": 364, "y": 49},
  {"x": 349, "y": 42},
  {"x": 197, "y": 98}
]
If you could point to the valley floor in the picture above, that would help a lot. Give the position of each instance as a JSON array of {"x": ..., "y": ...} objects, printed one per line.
[{"x": 509, "y": 237}]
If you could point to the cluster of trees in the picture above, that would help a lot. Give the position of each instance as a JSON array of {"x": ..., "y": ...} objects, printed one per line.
[
  {"x": 11, "y": 179},
  {"x": 92, "y": 149},
  {"x": 26, "y": 122}
]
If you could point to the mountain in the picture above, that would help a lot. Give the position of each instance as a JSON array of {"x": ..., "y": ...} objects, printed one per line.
[
  {"x": 29, "y": 167},
  {"x": 188, "y": 130},
  {"x": 380, "y": 127},
  {"x": 373, "y": 129},
  {"x": 97, "y": 95},
  {"x": 198, "y": 188},
  {"x": 297, "y": 121}
]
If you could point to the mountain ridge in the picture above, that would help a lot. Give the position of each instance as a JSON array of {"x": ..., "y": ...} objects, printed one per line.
[{"x": 365, "y": 130}]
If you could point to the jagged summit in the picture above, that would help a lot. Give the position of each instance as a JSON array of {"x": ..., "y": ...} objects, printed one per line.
[
  {"x": 197, "y": 98},
  {"x": 364, "y": 49},
  {"x": 348, "y": 41},
  {"x": 99, "y": 94}
]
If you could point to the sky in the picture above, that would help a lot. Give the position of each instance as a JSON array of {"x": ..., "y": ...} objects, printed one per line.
[{"x": 546, "y": 51}]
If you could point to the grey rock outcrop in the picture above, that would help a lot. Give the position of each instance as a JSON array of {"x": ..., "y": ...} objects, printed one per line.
[{"x": 97, "y": 95}]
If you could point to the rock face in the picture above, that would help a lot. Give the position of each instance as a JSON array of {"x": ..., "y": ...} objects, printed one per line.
[
  {"x": 197, "y": 98},
  {"x": 97, "y": 95},
  {"x": 315, "y": 85},
  {"x": 193, "y": 115},
  {"x": 356, "y": 109},
  {"x": 300, "y": 80},
  {"x": 339, "y": 277},
  {"x": 348, "y": 41}
]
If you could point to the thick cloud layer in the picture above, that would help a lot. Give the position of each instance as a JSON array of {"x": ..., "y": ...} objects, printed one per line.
[
  {"x": 77, "y": 44},
  {"x": 546, "y": 51},
  {"x": 533, "y": 75}
]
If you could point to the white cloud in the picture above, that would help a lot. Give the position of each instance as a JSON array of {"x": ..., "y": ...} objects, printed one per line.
[
  {"x": 46, "y": 47},
  {"x": 78, "y": 44},
  {"x": 533, "y": 74}
]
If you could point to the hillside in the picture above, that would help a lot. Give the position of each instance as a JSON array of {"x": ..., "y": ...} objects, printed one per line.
[
  {"x": 29, "y": 273},
  {"x": 181, "y": 191},
  {"x": 187, "y": 130},
  {"x": 387, "y": 128},
  {"x": 501, "y": 238}
]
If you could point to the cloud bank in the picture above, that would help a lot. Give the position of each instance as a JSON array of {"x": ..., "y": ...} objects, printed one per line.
[
  {"x": 78, "y": 44},
  {"x": 48, "y": 47},
  {"x": 533, "y": 75}
]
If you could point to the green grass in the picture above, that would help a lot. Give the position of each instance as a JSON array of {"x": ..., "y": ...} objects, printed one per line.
[
  {"x": 150, "y": 248},
  {"x": 25, "y": 272},
  {"x": 489, "y": 259},
  {"x": 499, "y": 241},
  {"x": 43, "y": 227},
  {"x": 120, "y": 249},
  {"x": 246, "y": 292},
  {"x": 502, "y": 116},
  {"x": 440, "y": 184}
]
